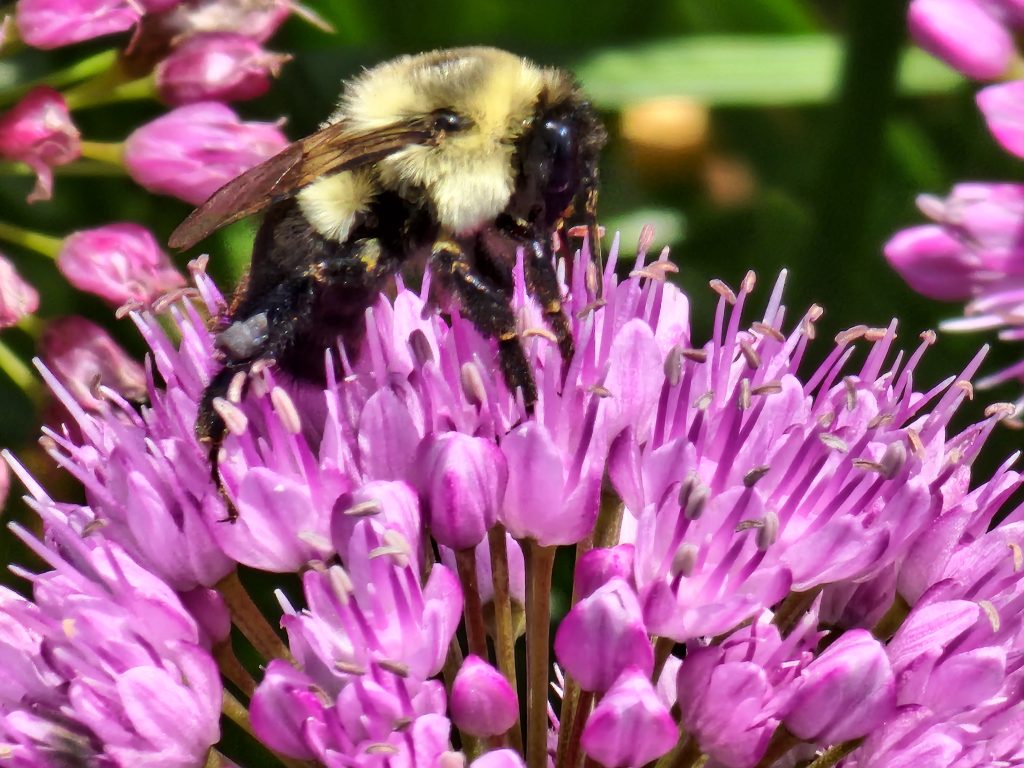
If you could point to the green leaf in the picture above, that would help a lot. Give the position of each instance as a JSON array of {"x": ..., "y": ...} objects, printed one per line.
[{"x": 740, "y": 71}]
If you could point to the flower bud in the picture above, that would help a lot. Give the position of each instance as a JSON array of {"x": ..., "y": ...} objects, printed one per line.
[
  {"x": 599, "y": 566},
  {"x": 462, "y": 480},
  {"x": 1004, "y": 113},
  {"x": 539, "y": 503},
  {"x": 82, "y": 355},
  {"x": 256, "y": 19},
  {"x": 192, "y": 151},
  {"x": 119, "y": 263},
  {"x": 482, "y": 701},
  {"x": 964, "y": 34},
  {"x": 603, "y": 635},
  {"x": 216, "y": 66},
  {"x": 932, "y": 262},
  {"x": 38, "y": 131},
  {"x": 499, "y": 758},
  {"x": 17, "y": 298},
  {"x": 283, "y": 705},
  {"x": 631, "y": 726},
  {"x": 845, "y": 693},
  {"x": 53, "y": 23}
]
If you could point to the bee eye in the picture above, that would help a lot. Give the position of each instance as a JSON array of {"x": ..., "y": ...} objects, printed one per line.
[{"x": 450, "y": 122}]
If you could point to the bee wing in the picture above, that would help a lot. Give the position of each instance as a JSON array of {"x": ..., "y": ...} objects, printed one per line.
[{"x": 332, "y": 149}]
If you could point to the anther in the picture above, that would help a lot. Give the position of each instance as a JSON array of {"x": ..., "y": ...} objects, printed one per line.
[
  {"x": 750, "y": 479},
  {"x": 285, "y": 408},
  {"x": 684, "y": 560},
  {"x": 768, "y": 388},
  {"x": 893, "y": 459},
  {"x": 749, "y": 282},
  {"x": 696, "y": 355},
  {"x": 198, "y": 265},
  {"x": 1018, "y": 555},
  {"x": 232, "y": 416},
  {"x": 674, "y": 366},
  {"x": 834, "y": 442},
  {"x": 750, "y": 354},
  {"x": 394, "y": 667},
  {"x": 991, "y": 613},
  {"x": 743, "y": 397},
  {"x": 704, "y": 401},
  {"x": 420, "y": 346},
  {"x": 363, "y": 509},
  {"x": 693, "y": 497},
  {"x": 723, "y": 290},
  {"x": 1001, "y": 411},
  {"x": 472, "y": 383},
  {"x": 767, "y": 330},
  {"x": 236, "y": 386},
  {"x": 966, "y": 386},
  {"x": 851, "y": 334}
]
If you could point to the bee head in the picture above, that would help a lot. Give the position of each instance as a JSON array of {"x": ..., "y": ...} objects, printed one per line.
[{"x": 508, "y": 128}]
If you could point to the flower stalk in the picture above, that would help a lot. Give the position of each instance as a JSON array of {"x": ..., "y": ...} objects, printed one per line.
[
  {"x": 20, "y": 374},
  {"x": 540, "y": 561},
  {"x": 108, "y": 152},
  {"x": 250, "y": 619},
  {"x": 44, "y": 245},
  {"x": 504, "y": 637},
  {"x": 476, "y": 631},
  {"x": 84, "y": 69}
]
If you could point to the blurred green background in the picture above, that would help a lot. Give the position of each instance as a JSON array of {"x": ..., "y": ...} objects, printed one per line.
[{"x": 788, "y": 133}]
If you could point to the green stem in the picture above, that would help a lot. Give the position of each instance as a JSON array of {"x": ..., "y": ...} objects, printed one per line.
[
  {"x": 539, "y": 563},
  {"x": 893, "y": 619},
  {"x": 110, "y": 87},
  {"x": 231, "y": 668},
  {"x": 88, "y": 67},
  {"x": 581, "y": 711},
  {"x": 504, "y": 639},
  {"x": 21, "y": 374},
  {"x": 250, "y": 620},
  {"x": 111, "y": 152},
  {"x": 77, "y": 168},
  {"x": 33, "y": 241},
  {"x": 476, "y": 633},
  {"x": 685, "y": 754},
  {"x": 833, "y": 755}
]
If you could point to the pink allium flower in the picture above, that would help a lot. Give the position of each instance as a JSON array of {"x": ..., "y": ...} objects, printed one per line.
[
  {"x": 482, "y": 701},
  {"x": 104, "y": 666},
  {"x": 972, "y": 36},
  {"x": 17, "y": 298},
  {"x": 54, "y": 23},
  {"x": 972, "y": 251},
  {"x": 194, "y": 150},
  {"x": 1003, "y": 108},
  {"x": 768, "y": 514},
  {"x": 93, "y": 368},
  {"x": 630, "y": 726},
  {"x": 216, "y": 66},
  {"x": 121, "y": 263},
  {"x": 38, "y": 131},
  {"x": 255, "y": 19}
]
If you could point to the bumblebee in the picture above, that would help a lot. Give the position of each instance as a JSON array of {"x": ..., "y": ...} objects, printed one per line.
[{"x": 454, "y": 158}]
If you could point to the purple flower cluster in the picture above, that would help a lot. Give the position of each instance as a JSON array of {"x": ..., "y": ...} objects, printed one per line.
[
  {"x": 773, "y": 565},
  {"x": 972, "y": 250},
  {"x": 193, "y": 55}
]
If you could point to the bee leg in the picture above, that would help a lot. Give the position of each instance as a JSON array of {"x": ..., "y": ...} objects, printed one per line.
[
  {"x": 490, "y": 310},
  {"x": 542, "y": 282}
]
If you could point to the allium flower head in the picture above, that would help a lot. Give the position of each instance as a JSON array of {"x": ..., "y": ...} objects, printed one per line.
[
  {"x": 38, "y": 131},
  {"x": 756, "y": 515}
]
